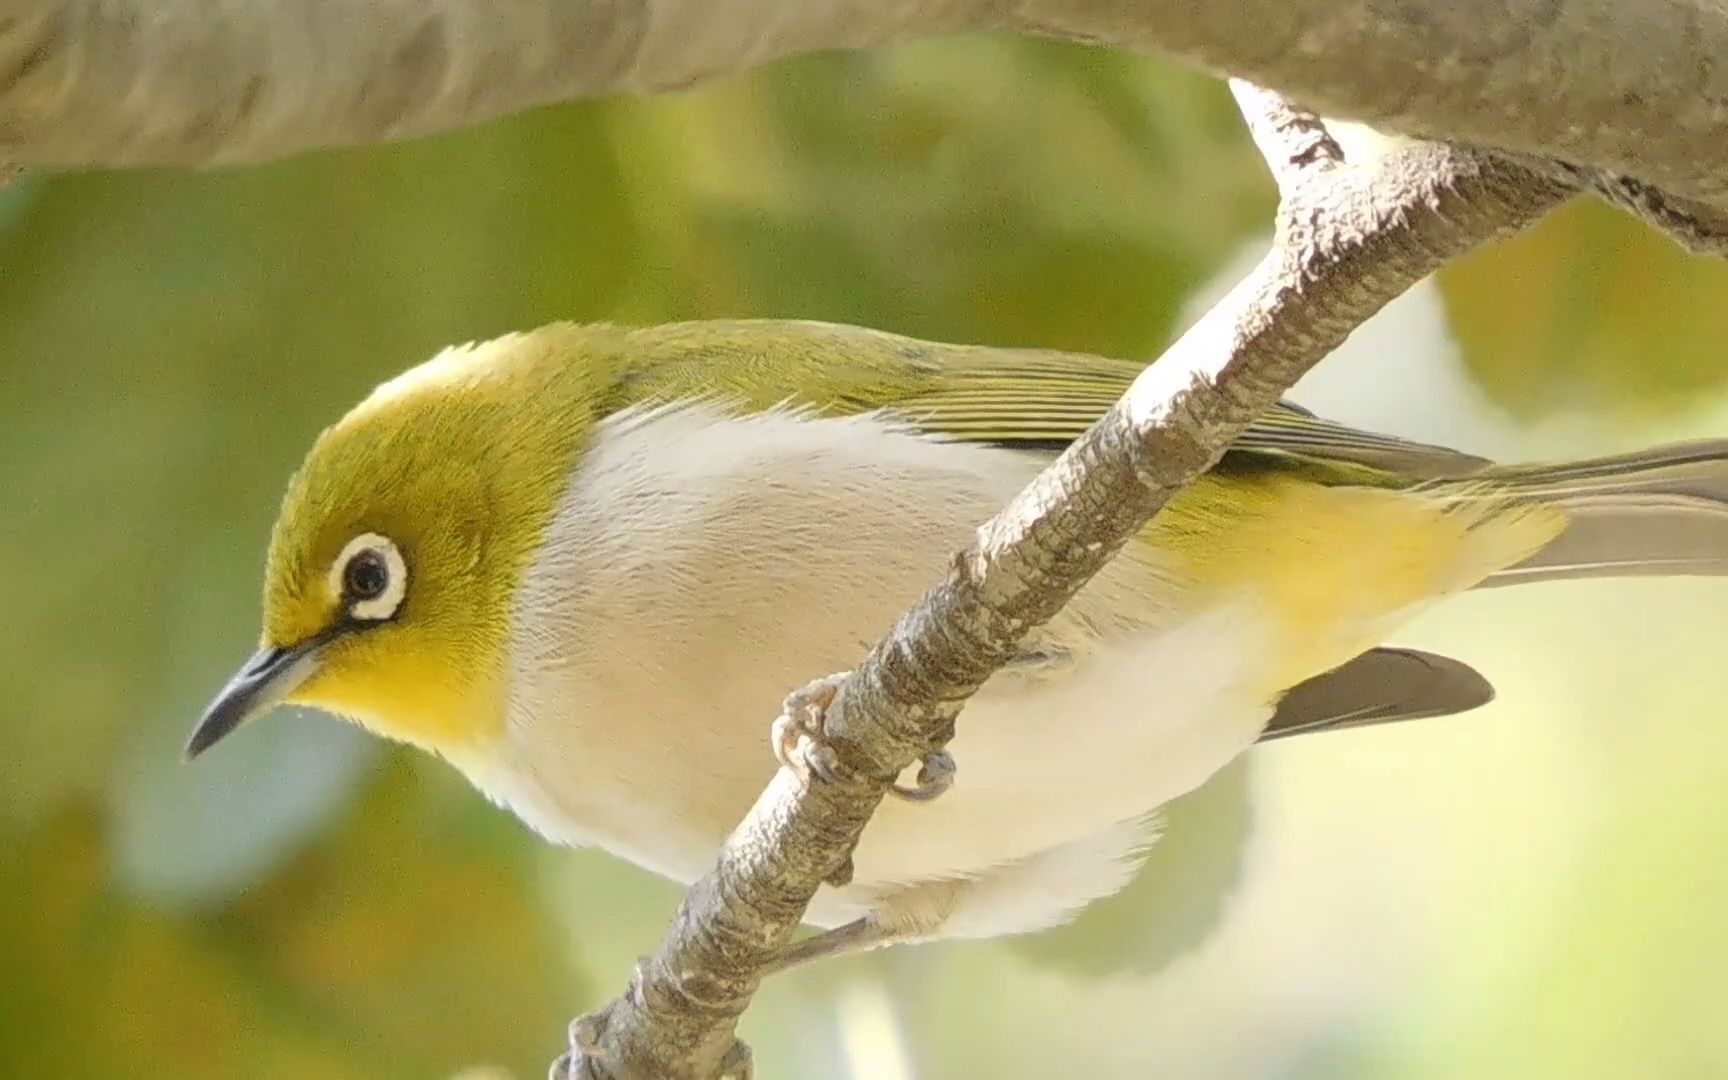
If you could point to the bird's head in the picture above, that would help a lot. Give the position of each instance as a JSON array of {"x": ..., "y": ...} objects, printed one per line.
[{"x": 402, "y": 539}]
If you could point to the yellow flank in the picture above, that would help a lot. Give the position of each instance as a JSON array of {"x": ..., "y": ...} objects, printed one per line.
[{"x": 1337, "y": 567}]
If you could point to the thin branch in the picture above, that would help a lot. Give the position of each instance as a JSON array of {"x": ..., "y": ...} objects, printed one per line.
[
  {"x": 1294, "y": 141},
  {"x": 1346, "y": 244},
  {"x": 1633, "y": 89}
]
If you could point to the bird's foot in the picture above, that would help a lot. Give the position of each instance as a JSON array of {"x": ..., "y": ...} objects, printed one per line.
[
  {"x": 800, "y": 741},
  {"x": 798, "y": 736},
  {"x": 935, "y": 776},
  {"x": 583, "y": 1060},
  {"x": 739, "y": 1063},
  {"x": 580, "y": 1061}
]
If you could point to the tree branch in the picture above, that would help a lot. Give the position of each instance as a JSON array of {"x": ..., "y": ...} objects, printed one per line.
[
  {"x": 1632, "y": 89},
  {"x": 1294, "y": 141},
  {"x": 1699, "y": 227},
  {"x": 1349, "y": 239}
]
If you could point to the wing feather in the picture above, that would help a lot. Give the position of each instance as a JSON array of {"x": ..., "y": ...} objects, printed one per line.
[
  {"x": 1032, "y": 399},
  {"x": 1381, "y": 686}
]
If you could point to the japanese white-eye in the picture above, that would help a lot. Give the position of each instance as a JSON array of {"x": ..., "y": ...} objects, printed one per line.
[{"x": 585, "y": 562}]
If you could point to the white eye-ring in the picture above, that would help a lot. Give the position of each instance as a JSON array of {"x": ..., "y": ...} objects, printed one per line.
[{"x": 370, "y": 577}]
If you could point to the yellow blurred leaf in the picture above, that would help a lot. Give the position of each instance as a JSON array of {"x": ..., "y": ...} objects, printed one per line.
[
  {"x": 94, "y": 987},
  {"x": 1590, "y": 309}
]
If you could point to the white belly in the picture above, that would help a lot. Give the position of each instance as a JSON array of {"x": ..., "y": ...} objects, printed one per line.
[
  {"x": 1048, "y": 763},
  {"x": 1044, "y": 763},
  {"x": 695, "y": 576}
]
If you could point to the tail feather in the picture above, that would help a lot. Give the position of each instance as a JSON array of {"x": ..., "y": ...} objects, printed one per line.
[{"x": 1656, "y": 512}]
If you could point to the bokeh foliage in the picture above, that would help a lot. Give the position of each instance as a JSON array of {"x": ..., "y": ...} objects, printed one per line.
[
  {"x": 306, "y": 904},
  {"x": 1591, "y": 312}
]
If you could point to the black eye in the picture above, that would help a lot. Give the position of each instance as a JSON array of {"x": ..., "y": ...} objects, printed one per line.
[{"x": 366, "y": 576}]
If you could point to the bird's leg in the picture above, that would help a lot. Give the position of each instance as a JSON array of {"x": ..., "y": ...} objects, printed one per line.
[
  {"x": 800, "y": 741},
  {"x": 858, "y": 935},
  {"x": 900, "y": 917}
]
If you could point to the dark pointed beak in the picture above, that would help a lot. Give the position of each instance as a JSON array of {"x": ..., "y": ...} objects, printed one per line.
[{"x": 271, "y": 675}]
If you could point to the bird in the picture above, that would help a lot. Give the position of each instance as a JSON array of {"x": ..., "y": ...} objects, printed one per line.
[{"x": 582, "y": 563}]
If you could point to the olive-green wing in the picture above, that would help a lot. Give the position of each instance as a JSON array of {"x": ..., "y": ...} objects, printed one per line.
[
  {"x": 1045, "y": 400},
  {"x": 1031, "y": 399}
]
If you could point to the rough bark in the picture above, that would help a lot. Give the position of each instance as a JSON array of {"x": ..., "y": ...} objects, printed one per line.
[
  {"x": 1635, "y": 89},
  {"x": 1350, "y": 238}
]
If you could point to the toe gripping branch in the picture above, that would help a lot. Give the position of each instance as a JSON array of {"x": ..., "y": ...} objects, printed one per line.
[
  {"x": 584, "y": 1059},
  {"x": 800, "y": 741},
  {"x": 801, "y": 744}
]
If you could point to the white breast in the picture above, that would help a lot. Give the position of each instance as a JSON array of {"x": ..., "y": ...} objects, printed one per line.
[{"x": 701, "y": 565}]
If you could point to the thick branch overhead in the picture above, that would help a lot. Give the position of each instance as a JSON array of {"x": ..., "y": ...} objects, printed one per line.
[
  {"x": 1631, "y": 88},
  {"x": 1350, "y": 238}
]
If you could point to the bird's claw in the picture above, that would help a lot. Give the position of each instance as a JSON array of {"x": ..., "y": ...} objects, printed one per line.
[
  {"x": 584, "y": 1036},
  {"x": 739, "y": 1063},
  {"x": 577, "y": 1063},
  {"x": 935, "y": 776},
  {"x": 800, "y": 743},
  {"x": 587, "y": 1031}
]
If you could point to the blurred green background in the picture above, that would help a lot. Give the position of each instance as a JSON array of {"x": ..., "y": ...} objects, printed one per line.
[{"x": 1532, "y": 890}]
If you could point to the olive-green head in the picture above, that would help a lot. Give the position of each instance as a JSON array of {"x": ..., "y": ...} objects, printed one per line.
[{"x": 404, "y": 534}]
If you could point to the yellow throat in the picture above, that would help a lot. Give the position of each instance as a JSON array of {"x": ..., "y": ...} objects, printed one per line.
[{"x": 459, "y": 463}]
